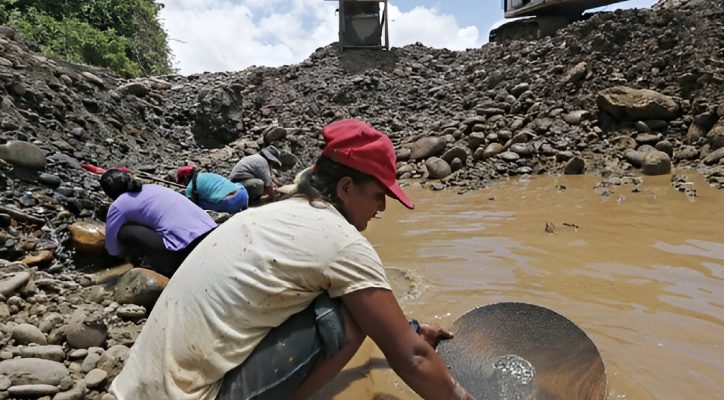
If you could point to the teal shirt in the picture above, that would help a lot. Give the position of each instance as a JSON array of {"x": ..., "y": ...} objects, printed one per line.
[{"x": 212, "y": 187}]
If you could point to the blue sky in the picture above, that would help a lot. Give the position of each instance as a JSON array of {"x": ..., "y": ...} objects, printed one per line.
[{"x": 230, "y": 35}]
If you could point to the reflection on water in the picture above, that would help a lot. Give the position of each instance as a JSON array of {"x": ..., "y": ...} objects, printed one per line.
[{"x": 640, "y": 271}]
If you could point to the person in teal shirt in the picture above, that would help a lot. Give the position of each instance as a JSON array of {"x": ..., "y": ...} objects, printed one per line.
[{"x": 212, "y": 191}]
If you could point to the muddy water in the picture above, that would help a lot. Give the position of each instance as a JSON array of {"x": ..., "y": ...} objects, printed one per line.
[{"x": 642, "y": 273}]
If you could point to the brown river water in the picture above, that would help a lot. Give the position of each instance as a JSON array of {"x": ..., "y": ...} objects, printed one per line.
[{"x": 641, "y": 272}]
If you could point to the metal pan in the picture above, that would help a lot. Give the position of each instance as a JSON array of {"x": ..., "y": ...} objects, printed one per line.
[{"x": 522, "y": 351}]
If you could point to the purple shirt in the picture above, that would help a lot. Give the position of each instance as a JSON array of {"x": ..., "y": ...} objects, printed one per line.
[{"x": 175, "y": 217}]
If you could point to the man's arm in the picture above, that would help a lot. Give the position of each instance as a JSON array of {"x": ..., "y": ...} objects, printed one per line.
[{"x": 379, "y": 316}]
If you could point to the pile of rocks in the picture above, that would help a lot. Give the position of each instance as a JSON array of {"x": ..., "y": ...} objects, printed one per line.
[{"x": 612, "y": 93}]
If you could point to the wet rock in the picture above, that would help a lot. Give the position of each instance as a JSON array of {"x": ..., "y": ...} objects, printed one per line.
[
  {"x": 42, "y": 257},
  {"x": 427, "y": 147},
  {"x": 656, "y": 163},
  {"x": 139, "y": 286},
  {"x": 656, "y": 125},
  {"x": 23, "y": 154},
  {"x": 575, "y": 166},
  {"x": 11, "y": 283},
  {"x": 508, "y": 156},
  {"x": 628, "y": 104},
  {"x": 27, "y": 334},
  {"x": 85, "y": 330},
  {"x": 88, "y": 236},
  {"x": 694, "y": 133},
  {"x": 437, "y": 168},
  {"x": 34, "y": 391},
  {"x": 522, "y": 149},
  {"x": 30, "y": 371}
]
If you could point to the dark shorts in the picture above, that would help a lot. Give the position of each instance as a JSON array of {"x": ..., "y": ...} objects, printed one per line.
[{"x": 287, "y": 354}]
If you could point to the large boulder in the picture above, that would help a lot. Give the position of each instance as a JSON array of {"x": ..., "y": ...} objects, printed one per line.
[
  {"x": 437, "y": 168},
  {"x": 219, "y": 116},
  {"x": 656, "y": 163},
  {"x": 427, "y": 147},
  {"x": 30, "y": 371},
  {"x": 88, "y": 236},
  {"x": 629, "y": 104},
  {"x": 23, "y": 154},
  {"x": 139, "y": 286}
]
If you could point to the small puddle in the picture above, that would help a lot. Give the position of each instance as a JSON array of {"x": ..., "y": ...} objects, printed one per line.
[{"x": 641, "y": 272}]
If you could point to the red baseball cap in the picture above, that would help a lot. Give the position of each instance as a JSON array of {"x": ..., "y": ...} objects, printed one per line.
[{"x": 357, "y": 145}]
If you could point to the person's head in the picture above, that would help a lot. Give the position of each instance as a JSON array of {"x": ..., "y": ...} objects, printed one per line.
[
  {"x": 272, "y": 154},
  {"x": 355, "y": 172},
  {"x": 115, "y": 182},
  {"x": 184, "y": 174}
]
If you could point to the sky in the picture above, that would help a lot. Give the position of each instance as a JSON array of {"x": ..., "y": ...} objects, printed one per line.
[{"x": 230, "y": 35}]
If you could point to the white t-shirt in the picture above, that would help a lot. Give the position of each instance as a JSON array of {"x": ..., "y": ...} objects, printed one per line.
[{"x": 248, "y": 276}]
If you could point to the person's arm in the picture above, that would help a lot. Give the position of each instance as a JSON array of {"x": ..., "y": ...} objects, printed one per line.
[
  {"x": 379, "y": 316},
  {"x": 276, "y": 180},
  {"x": 114, "y": 222}
]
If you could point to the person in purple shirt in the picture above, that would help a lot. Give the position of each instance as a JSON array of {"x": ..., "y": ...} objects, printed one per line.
[{"x": 151, "y": 224}]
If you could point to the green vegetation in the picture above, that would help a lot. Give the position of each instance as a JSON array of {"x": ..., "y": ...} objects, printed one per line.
[{"x": 124, "y": 36}]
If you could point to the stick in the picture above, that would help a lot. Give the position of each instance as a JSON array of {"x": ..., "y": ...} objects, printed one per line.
[
  {"x": 148, "y": 176},
  {"x": 21, "y": 216}
]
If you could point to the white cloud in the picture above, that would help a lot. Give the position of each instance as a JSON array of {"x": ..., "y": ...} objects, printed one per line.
[{"x": 229, "y": 35}]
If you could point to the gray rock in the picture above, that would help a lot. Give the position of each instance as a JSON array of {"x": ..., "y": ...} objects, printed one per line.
[
  {"x": 694, "y": 133},
  {"x": 687, "y": 153},
  {"x": 95, "y": 377},
  {"x": 575, "y": 166},
  {"x": 14, "y": 282},
  {"x": 665, "y": 146},
  {"x": 29, "y": 371},
  {"x": 508, "y": 156},
  {"x": 273, "y": 134},
  {"x": 23, "y": 154},
  {"x": 715, "y": 137},
  {"x": 437, "y": 168},
  {"x": 27, "y": 333},
  {"x": 77, "y": 392},
  {"x": 455, "y": 152},
  {"x": 575, "y": 74},
  {"x": 139, "y": 286},
  {"x": 714, "y": 156},
  {"x": 656, "y": 124},
  {"x": 85, "y": 330},
  {"x": 492, "y": 150},
  {"x": 522, "y": 149},
  {"x": 131, "y": 311},
  {"x": 576, "y": 117},
  {"x": 634, "y": 157},
  {"x": 49, "y": 352},
  {"x": 647, "y": 138},
  {"x": 656, "y": 163},
  {"x": 36, "y": 390},
  {"x": 427, "y": 147},
  {"x": 112, "y": 360},
  {"x": 139, "y": 89},
  {"x": 626, "y": 103}
]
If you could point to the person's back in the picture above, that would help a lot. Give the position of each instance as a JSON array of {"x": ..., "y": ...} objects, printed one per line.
[
  {"x": 321, "y": 252},
  {"x": 175, "y": 217}
]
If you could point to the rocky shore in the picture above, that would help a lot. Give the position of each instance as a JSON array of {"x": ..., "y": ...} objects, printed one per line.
[{"x": 618, "y": 94}]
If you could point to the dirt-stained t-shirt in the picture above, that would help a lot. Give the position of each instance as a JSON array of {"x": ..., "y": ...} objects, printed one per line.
[{"x": 248, "y": 276}]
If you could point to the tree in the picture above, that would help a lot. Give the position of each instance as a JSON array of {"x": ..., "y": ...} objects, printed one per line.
[{"x": 122, "y": 35}]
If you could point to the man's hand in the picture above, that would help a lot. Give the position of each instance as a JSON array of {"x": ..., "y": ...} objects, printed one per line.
[{"x": 433, "y": 334}]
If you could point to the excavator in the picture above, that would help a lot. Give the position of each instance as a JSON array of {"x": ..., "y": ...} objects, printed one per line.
[{"x": 545, "y": 17}]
